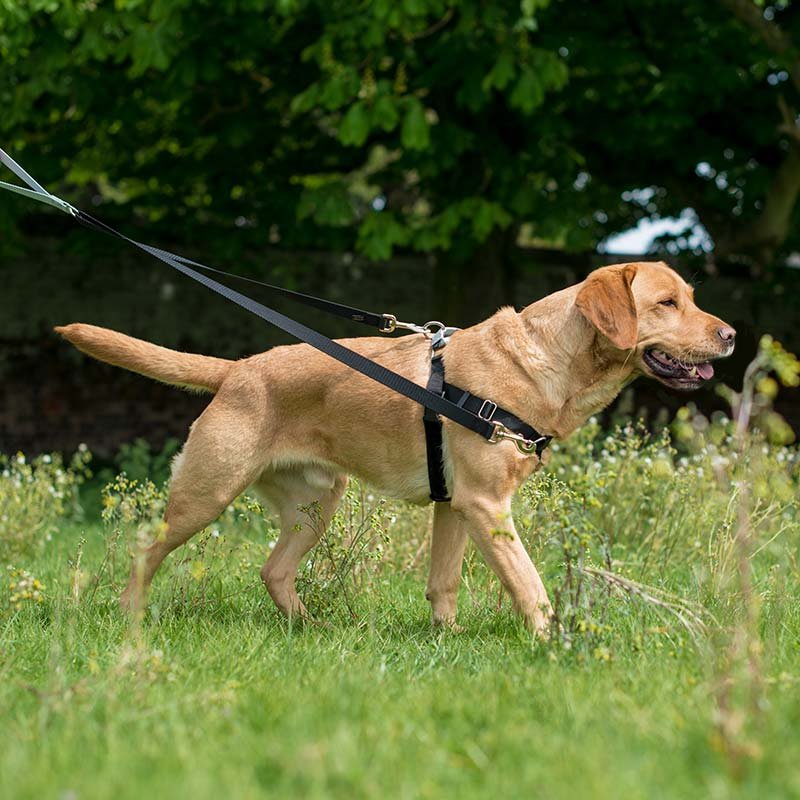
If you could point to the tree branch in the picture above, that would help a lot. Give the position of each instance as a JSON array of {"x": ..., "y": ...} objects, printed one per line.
[
  {"x": 789, "y": 124},
  {"x": 776, "y": 39}
]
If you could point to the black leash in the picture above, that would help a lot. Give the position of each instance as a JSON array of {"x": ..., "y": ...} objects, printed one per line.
[
  {"x": 434, "y": 440},
  {"x": 308, "y": 335},
  {"x": 385, "y": 323},
  {"x": 480, "y": 421}
]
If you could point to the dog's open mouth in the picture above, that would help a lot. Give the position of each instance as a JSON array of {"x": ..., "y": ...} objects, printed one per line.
[{"x": 676, "y": 373}]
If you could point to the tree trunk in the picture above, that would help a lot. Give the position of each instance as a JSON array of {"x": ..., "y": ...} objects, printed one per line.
[
  {"x": 470, "y": 290},
  {"x": 762, "y": 237}
]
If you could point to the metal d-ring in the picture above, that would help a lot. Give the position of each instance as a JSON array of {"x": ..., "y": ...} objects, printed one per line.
[
  {"x": 433, "y": 327},
  {"x": 389, "y": 323}
]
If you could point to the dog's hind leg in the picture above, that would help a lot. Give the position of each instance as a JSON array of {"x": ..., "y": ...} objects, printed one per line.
[
  {"x": 222, "y": 457},
  {"x": 305, "y": 498}
]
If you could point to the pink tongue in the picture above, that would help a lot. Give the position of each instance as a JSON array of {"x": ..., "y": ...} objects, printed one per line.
[{"x": 705, "y": 371}]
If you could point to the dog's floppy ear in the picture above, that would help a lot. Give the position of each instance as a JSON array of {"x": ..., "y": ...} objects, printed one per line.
[{"x": 606, "y": 300}]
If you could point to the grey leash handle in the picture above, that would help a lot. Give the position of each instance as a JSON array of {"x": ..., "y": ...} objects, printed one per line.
[{"x": 36, "y": 190}]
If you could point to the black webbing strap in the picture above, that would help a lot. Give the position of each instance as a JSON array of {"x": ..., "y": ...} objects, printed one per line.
[
  {"x": 37, "y": 192},
  {"x": 350, "y": 358},
  {"x": 490, "y": 411},
  {"x": 433, "y": 435},
  {"x": 485, "y": 409},
  {"x": 380, "y": 321}
]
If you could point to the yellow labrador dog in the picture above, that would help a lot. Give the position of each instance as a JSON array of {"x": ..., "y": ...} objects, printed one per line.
[{"x": 293, "y": 423}]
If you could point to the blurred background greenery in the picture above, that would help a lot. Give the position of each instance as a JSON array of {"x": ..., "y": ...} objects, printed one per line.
[{"x": 437, "y": 158}]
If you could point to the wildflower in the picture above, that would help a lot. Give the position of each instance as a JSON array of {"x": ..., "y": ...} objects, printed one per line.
[
  {"x": 24, "y": 588},
  {"x": 602, "y": 654}
]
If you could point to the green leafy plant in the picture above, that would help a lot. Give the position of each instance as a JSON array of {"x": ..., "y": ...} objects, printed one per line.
[
  {"x": 35, "y": 496},
  {"x": 139, "y": 461},
  {"x": 348, "y": 555}
]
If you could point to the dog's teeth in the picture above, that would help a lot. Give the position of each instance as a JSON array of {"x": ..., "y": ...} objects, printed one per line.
[{"x": 693, "y": 372}]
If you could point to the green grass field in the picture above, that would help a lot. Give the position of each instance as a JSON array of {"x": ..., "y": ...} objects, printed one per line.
[{"x": 675, "y": 670}]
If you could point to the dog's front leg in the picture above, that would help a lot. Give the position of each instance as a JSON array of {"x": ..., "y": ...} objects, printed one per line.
[
  {"x": 488, "y": 521},
  {"x": 447, "y": 555}
]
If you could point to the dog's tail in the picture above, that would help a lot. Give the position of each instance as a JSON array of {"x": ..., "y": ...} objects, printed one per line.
[{"x": 187, "y": 370}]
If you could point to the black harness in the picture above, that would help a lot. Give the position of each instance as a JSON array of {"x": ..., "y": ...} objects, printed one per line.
[
  {"x": 484, "y": 417},
  {"x": 487, "y": 410}
]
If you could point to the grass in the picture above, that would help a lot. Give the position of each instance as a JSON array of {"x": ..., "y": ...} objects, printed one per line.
[{"x": 214, "y": 694}]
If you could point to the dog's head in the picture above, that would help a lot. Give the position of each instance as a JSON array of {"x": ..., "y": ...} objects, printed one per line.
[{"x": 647, "y": 311}]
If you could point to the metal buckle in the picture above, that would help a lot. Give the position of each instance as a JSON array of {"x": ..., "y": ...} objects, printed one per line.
[{"x": 487, "y": 404}]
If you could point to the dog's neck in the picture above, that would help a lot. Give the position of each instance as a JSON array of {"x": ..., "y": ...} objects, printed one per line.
[{"x": 556, "y": 369}]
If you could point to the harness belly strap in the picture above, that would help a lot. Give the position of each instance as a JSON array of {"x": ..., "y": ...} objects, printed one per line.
[{"x": 485, "y": 409}]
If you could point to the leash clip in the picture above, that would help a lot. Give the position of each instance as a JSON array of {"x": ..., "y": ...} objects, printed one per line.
[
  {"x": 525, "y": 446},
  {"x": 390, "y": 323}
]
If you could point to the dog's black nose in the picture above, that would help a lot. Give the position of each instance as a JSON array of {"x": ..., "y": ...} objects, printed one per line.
[{"x": 726, "y": 333}]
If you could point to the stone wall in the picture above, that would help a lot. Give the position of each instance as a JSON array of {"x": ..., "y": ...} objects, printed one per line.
[{"x": 53, "y": 398}]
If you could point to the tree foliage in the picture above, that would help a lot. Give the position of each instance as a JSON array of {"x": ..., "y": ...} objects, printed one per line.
[
  {"x": 432, "y": 125},
  {"x": 678, "y": 105}
]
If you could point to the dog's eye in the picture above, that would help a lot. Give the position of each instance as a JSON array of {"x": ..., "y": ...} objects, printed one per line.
[{"x": 670, "y": 302}]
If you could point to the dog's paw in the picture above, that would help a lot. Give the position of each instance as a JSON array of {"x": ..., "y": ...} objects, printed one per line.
[{"x": 448, "y": 625}]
